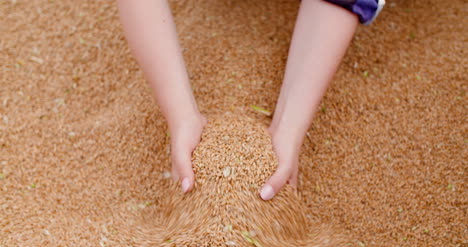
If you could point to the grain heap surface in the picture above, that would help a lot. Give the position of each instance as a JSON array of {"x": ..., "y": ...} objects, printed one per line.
[
  {"x": 231, "y": 163},
  {"x": 84, "y": 149}
]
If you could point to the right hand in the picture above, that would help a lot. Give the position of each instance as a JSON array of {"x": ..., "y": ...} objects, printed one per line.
[{"x": 286, "y": 146}]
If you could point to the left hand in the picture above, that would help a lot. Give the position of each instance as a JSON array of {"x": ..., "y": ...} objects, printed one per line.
[{"x": 185, "y": 136}]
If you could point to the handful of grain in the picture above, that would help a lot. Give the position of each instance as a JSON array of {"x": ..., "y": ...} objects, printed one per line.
[{"x": 232, "y": 162}]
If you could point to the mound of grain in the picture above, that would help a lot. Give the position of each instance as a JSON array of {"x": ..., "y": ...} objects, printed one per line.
[
  {"x": 81, "y": 140},
  {"x": 232, "y": 162}
]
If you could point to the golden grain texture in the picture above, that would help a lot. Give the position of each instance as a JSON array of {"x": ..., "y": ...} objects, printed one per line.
[
  {"x": 231, "y": 163},
  {"x": 83, "y": 143}
]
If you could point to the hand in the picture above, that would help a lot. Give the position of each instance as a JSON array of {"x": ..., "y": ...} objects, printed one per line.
[
  {"x": 158, "y": 52},
  {"x": 315, "y": 53},
  {"x": 184, "y": 138},
  {"x": 287, "y": 153}
]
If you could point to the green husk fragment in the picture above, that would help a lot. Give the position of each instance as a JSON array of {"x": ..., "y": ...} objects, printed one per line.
[
  {"x": 256, "y": 243},
  {"x": 228, "y": 227},
  {"x": 2, "y": 176},
  {"x": 246, "y": 236},
  {"x": 366, "y": 73},
  {"x": 388, "y": 157},
  {"x": 169, "y": 241},
  {"x": 33, "y": 185},
  {"x": 323, "y": 109},
  {"x": 250, "y": 239},
  {"x": 450, "y": 187},
  {"x": 261, "y": 110}
]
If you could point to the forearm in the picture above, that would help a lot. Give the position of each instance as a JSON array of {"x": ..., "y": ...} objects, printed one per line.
[
  {"x": 321, "y": 36},
  {"x": 152, "y": 37}
]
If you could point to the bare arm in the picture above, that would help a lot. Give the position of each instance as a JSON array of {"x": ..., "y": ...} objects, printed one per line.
[
  {"x": 321, "y": 36},
  {"x": 151, "y": 34}
]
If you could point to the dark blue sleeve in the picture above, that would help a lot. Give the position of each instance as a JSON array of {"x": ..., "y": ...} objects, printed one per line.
[{"x": 366, "y": 10}]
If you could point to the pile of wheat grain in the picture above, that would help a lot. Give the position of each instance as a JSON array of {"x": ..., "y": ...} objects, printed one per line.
[
  {"x": 84, "y": 155},
  {"x": 233, "y": 160}
]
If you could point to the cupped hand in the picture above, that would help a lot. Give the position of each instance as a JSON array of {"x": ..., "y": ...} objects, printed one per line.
[
  {"x": 287, "y": 153},
  {"x": 184, "y": 138}
]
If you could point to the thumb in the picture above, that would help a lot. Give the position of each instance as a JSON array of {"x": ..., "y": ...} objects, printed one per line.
[
  {"x": 275, "y": 182},
  {"x": 182, "y": 169}
]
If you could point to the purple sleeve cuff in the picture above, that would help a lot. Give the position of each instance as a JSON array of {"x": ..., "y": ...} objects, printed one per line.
[{"x": 366, "y": 10}]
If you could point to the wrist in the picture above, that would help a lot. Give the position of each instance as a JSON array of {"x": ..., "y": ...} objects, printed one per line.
[
  {"x": 287, "y": 135},
  {"x": 185, "y": 121}
]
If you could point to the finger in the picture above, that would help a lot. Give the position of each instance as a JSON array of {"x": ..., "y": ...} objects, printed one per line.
[
  {"x": 275, "y": 182},
  {"x": 293, "y": 180},
  {"x": 182, "y": 167},
  {"x": 174, "y": 173}
]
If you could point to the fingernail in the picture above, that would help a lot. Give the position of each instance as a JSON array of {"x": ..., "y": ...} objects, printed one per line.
[
  {"x": 267, "y": 192},
  {"x": 185, "y": 185}
]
